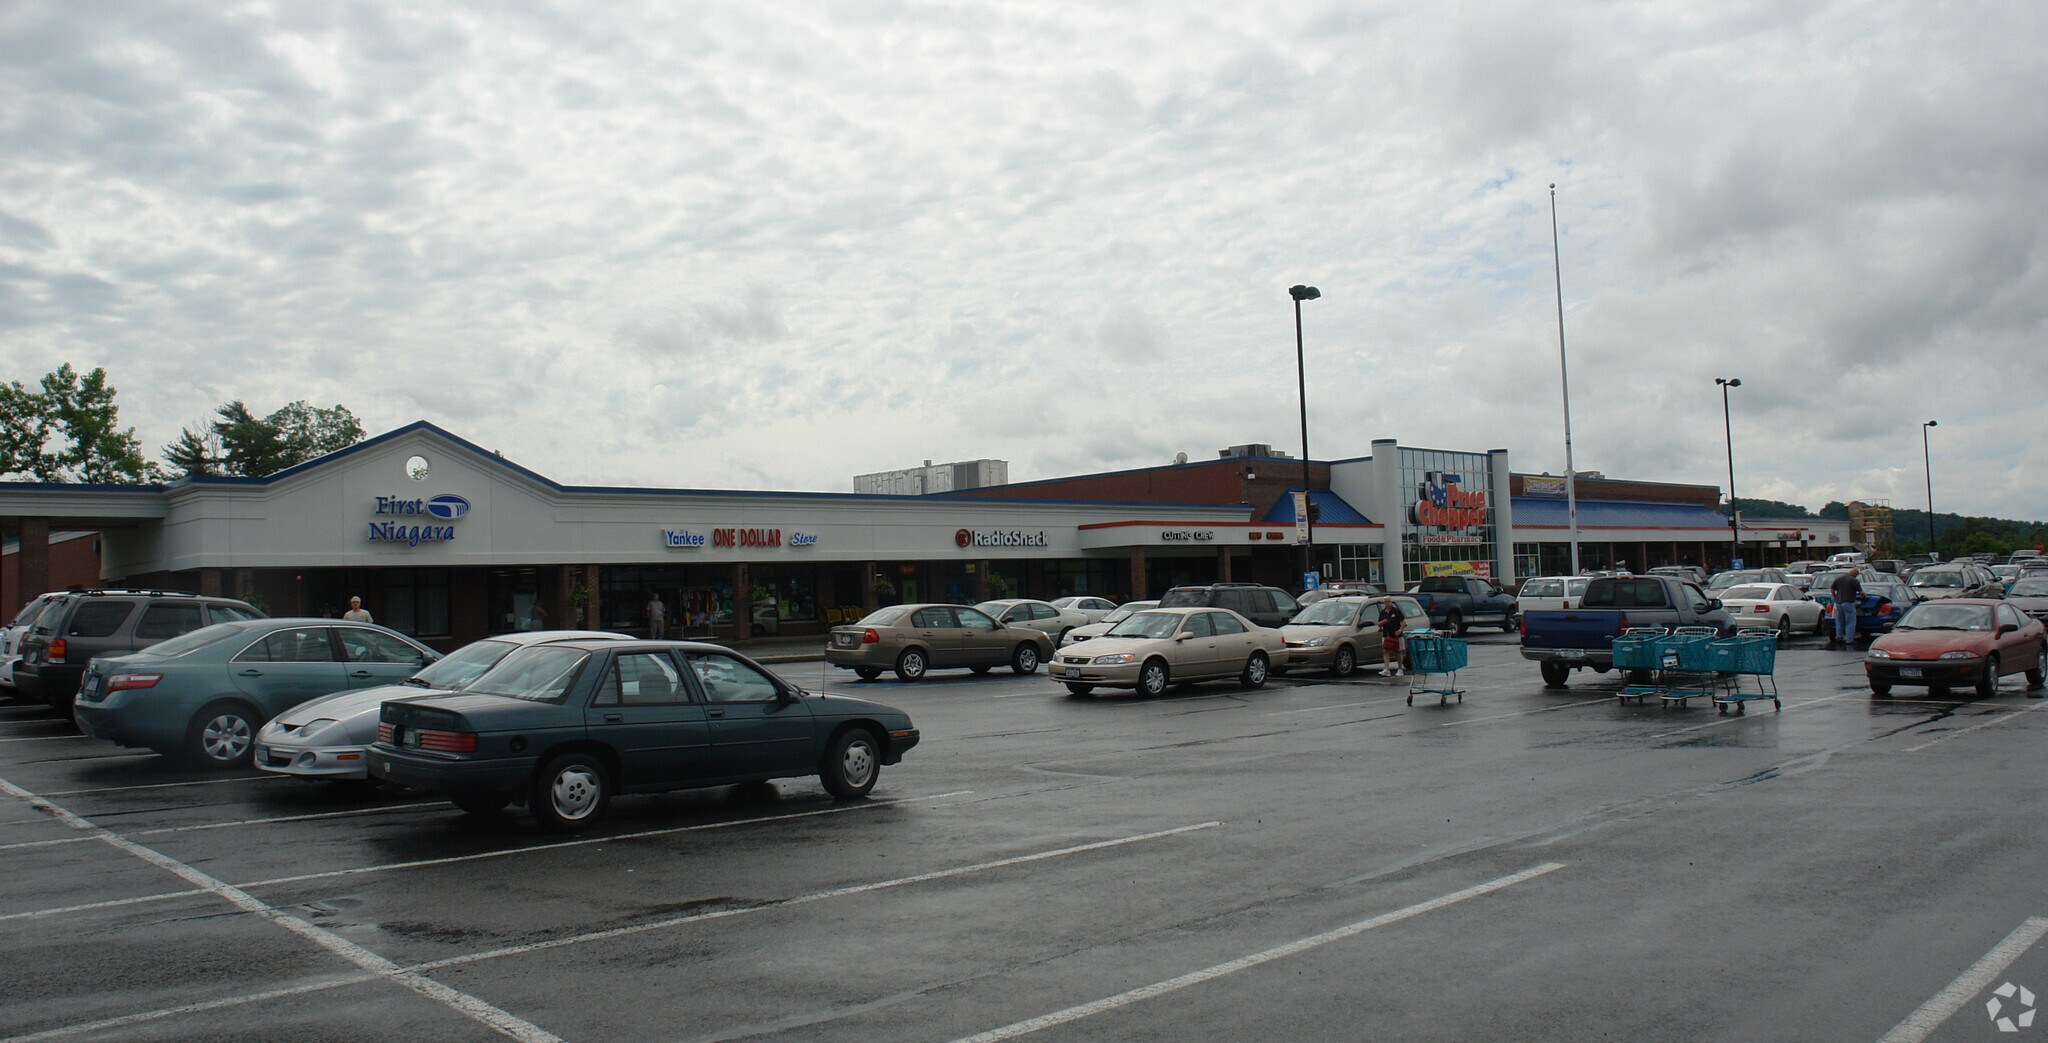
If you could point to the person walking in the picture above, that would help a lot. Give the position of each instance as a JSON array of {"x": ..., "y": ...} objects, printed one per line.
[
  {"x": 1847, "y": 591},
  {"x": 1391, "y": 623},
  {"x": 356, "y": 612},
  {"x": 657, "y": 617}
]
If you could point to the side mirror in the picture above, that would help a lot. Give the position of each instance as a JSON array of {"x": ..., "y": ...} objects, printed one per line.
[
  {"x": 1713, "y": 604},
  {"x": 1183, "y": 635},
  {"x": 2007, "y": 628}
]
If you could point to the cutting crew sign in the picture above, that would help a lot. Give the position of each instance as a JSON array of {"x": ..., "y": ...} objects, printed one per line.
[{"x": 1441, "y": 504}]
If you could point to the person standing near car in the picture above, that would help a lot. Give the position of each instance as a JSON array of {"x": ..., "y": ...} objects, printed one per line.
[
  {"x": 1391, "y": 622},
  {"x": 1847, "y": 591},
  {"x": 657, "y": 617},
  {"x": 356, "y": 612}
]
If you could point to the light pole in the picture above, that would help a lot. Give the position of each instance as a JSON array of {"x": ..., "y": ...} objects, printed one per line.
[
  {"x": 1308, "y": 549},
  {"x": 1927, "y": 462},
  {"x": 1564, "y": 378},
  {"x": 1734, "y": 527}
]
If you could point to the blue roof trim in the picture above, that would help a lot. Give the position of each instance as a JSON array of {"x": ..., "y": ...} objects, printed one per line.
[
  {"x": 1332, "y": 508},
  {"x": 1614, "y": 514}
]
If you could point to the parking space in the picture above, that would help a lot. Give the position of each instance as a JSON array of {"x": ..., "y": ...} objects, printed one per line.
[{"x": 1300, "y": 860}]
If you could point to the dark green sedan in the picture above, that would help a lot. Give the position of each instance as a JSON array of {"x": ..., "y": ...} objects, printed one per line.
[{"x": 563, "y": 727}]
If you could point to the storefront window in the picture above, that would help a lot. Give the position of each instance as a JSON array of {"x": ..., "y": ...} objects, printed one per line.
[
  {"x": 1359, "y": 561},
  {"x": 414, "y": 601},
  {"x": 1457, "y": 530}
]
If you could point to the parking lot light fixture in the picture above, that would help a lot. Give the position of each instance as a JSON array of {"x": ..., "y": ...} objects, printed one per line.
[
  {"x": 1300, "y": 294},
  {"x": 1927, "y": 464},
  {"x": 1728, "y": 428}
]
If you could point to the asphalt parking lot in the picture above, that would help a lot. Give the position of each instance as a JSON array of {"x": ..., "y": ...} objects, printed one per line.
[{"x": 1314, "y": 860}]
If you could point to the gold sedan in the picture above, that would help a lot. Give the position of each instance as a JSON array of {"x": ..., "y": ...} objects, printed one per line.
[{"x": 1153, "y": 649}]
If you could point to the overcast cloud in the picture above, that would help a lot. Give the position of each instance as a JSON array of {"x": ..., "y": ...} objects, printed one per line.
[{"x": 773, "y": 246}]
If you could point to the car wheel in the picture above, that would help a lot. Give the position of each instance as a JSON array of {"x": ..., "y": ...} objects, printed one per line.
[
  {"x": 1820, "y": 625},
  {"x": 1061, "y": 638},
  {"x": 223, "y": 735},
  {"x": 1153, "y": 679},
  {"x": 1555, "y": 674},
  {"x": 911, "y": 665},
  {"x": 480, "y": 803},
  {"x": 1081, "y": 689},
  {"x": 1455, "y": 623},
  {"x": 2038, "y": 676},
  {"x": 570, "y": 793},
  {"x": 1254, "y": 675},
  {"x": 1987, "y": 685},
  {"x": 1025, "y": 659},
  {"x": 852, "y": 764},
  {"x": 983, "y": 669},
  {"x": 867, "y": 673},
  {"x": 1344, "y": 662},
  {"x": 1880, "y": 688},
  {"x": 1509, "y": 623},
  {"x": 1784, "y": 627}
]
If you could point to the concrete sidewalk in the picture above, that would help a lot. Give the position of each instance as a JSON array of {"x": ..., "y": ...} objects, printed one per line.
[{"x": 808, "y": 648}]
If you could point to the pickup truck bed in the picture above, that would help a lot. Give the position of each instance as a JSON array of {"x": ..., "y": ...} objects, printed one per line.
[{"x": 1561, "y": 642}]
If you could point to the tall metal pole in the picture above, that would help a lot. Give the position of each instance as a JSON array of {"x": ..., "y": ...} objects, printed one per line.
[
  {"x": 1308, "y": 549},
  {"x": 1571, "y": 488},
  {"x": 1734, "y": 526},
  {"x": 1927, "y": 462}
]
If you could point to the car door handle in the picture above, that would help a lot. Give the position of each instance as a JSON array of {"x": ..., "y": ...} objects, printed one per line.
[
  {"x": 614, "y": 718},
  {"x": 715, "y": 714},
  {"x": 359, "y": 673},
  {"x": 252, "y": 673}
]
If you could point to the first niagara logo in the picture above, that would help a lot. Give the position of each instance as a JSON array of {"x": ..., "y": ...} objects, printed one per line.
[{"x": 448, "y": 506}]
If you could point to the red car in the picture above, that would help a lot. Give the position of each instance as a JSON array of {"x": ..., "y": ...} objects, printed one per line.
[{"x": 1958, "y": 641}]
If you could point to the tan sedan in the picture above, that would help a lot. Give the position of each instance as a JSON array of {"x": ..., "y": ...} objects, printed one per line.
[
  {"x": 1337, "y": 634},
  {"x": 1035, "y": 615},
  {"x": 912, "y": 639},
  {"x": 1152, "y": 649}
]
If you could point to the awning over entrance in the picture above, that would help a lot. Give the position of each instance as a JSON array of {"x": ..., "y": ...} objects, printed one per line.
[{"x": 1330, "y": 509}]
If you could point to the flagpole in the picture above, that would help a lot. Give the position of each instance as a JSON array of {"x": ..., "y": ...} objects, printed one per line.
[{"x": 1571, "y": 491}]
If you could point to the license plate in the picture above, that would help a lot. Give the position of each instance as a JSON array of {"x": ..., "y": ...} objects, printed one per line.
[
  {"x": 1909, "y": 671},
  {"x": 92, "y": 683},
  {"x": 1571, "y": 653},
  {"x": 844, "y": 639},
  {"x": 1073, "y": 671}
]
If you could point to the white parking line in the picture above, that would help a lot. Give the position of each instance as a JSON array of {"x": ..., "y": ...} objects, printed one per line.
[
  {"x": 1921, "y": 1023},
  {"x": 200, "y": 827},
  {"x": 48, "y": 738},
  {"x": 1525, "y": 713},
  {"x": 1738, "y": 718},
  {"x": 454, "y": 961},
  {"x": 462, "y": 1002},
  {"x": 1139, "y": 995},
  {"x": 1976, "y": 727},
  {"x": 1336, "y": 706},
  {"x": 168, "y": 785},
  {"x": 113, "y": 903}
]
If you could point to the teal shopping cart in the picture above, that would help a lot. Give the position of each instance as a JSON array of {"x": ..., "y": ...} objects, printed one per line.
[{"x": 1433, "y": 664}]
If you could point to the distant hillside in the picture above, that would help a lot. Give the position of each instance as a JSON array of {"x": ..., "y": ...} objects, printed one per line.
[{"x": 1956, "y": 534}]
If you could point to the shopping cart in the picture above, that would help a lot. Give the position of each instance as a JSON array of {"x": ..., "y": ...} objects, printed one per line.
[
  {"x": 1750, "y": 653},
  {"x": 1432, "y": 655},
  {"x": 1686, "y": 665},
  {"x": 1634, "y": 653}
]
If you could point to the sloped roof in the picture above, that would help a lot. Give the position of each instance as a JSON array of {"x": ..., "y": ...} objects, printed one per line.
[
  {"x": 1331, "y": 508},
  {"x": 1548, "y": 512}
]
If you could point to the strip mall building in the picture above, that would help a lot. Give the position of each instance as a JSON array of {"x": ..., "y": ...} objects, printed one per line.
[{"x": 451, "y": 542}]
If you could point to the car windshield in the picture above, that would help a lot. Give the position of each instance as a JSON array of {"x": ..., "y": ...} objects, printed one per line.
[
  {"x": 1148, "y": 624},
  {"x": 187, "y": 642},
  {"x": 1932, "y": 578},
  {"x": 1939, "y": 616},
  {"x": 462, "y": 666},
  {"x": 29, "y": 614},
  {"x": 541, "y": 673},
  {"x": 1124, "y": 612},
  {"x": 1725, "y": 580},
  {"x": 2031, "y": 587},
  {"x": 994, "y": 608},
  {"x": 1746, "y": 594},
  {"x": 1334, "y": 612},
  {"x": 883, "y": 617}
]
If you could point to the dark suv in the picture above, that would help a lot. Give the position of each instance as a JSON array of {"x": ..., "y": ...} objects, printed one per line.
[
  {"x": 87, "y": 623},
  {"x": 1266, "y": 606}
]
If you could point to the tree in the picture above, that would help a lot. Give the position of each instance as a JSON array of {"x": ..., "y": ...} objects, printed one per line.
[
  {"x": 253, "y": 446},
  {"x": 249, "y": 446},
  {"x": 309, "y": 431},
  {"x": 196, "y": 452},
  {"x": 79, "y": 416}
]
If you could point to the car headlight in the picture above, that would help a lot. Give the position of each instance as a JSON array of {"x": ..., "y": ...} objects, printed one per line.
[
  {"x": 1959, "y": 654},
  {"x": 1879, "y": 653},
  {"x": 312, "y": 726},
  {"x": 1308, "y": 642},
  {"x": 1119, "y": 659}
]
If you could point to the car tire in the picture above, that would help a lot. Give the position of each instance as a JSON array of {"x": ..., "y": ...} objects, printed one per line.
[
  {"x": 1987, "y": 685},
  {"x": 1455, "y": 623},
  {"x": 1081, "y": 690},
  {"x": 571, "y": 792},
  {"x": 1061, "y": 637},
  {"x": 1025, "y": 659},
  {"x": 851, "y": 764},
  {"x": 223, "y": 735},
  {"x": 911, "y": 665},
  {"x": 1784, "y": 627},
  {"x": 480, "y": 804},
  {"x": 1343, "y": 662},
  {"x": 1153, "y": 678},
  {"x": 1820, "y": 625},
  {"x": 1510, "y": 623},
  {"x": 867, "y": 673},
  {"x": 979, "y": 670},
  {"x": 2039, "y": 674},
  {"x": 1555, "y": 674},
  {"x": 1880, "y": 688},
  {"x": 1256, "y": 669}
]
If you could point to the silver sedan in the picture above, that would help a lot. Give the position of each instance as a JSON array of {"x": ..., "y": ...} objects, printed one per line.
[{"x": 325, "y": 738}]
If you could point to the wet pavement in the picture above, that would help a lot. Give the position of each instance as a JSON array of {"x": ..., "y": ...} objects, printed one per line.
[{"x": 1314, "y": 860}]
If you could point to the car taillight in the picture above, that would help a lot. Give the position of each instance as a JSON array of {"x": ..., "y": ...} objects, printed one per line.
[
  {"x": 387, "y": 733},
  {"x": 123, "y": 682},
  {"x": 1522, "y": 624},
  {"x": 869, "y": 637},
  {"x": 1883, "y": 606},
  {"x": 448, "y": 742},
  {"x": 55, "y": 653},
  {"x": 1763, "y": 608}
]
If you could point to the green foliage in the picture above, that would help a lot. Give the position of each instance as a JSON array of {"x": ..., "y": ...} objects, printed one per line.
[
  {"x": 241, "y": 443},
  {"x": 194, "y": 453},
  {"x": 68, "y": 430},
  {"x": 1770, "y": 508},
  {"x": 309, "y": 431}
]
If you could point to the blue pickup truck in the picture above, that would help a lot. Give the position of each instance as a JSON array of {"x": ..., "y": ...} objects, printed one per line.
[
  {"x": 1454, "y": 603},
  {"x": 1563, "y": 641}
]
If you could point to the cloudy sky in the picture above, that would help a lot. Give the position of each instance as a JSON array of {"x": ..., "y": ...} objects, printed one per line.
[{"x": 775, "y": 245}]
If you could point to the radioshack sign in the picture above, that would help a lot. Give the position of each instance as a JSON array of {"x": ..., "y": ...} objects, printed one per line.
[{"x": 967, "y": 538}]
